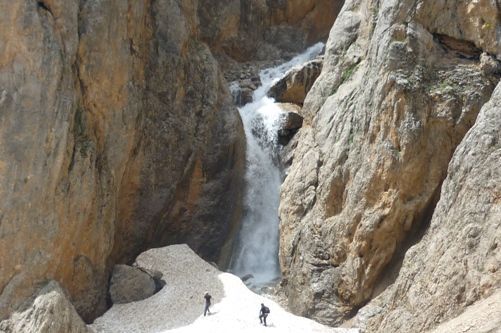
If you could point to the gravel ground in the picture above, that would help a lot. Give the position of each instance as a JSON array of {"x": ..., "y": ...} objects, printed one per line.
[{"x": 178, "y": 307}]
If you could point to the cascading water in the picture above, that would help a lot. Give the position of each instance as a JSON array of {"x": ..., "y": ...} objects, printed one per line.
[{"x": 256, "y": 250}]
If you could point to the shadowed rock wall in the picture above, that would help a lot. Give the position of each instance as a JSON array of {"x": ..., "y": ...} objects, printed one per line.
[{"x": 117, "y": 134}]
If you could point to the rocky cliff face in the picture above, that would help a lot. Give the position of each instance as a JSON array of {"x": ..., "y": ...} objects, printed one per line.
[
  {"x": 402, "y": 83},
  {"x": 458, "y": 261},
  {"x": 117, "y": 133},
  {"x": 265, "y": 29}
]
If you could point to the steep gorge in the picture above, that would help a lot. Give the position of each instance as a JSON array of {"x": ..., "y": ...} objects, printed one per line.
[{"x": 118, "y": 133}]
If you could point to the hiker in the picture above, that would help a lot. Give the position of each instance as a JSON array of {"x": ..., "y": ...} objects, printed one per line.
[
  {"x": 263, "y": 314},
  {"x": 207, "y": 297}
]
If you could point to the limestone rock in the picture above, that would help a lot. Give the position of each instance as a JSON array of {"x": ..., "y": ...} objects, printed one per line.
[
  {"x": 458, "y": 261},
  {"x": 242, "y": 90},
  {"x": 130, "y": 284},
  {"x": 481, "y": 317},
  {"x": 265, "y": 29},
  {"x": 117, "y": 133},
  {"x": 290, "y": 122},
  {"x": 382, "y": 121},
  {"x": 49, "y": 312},
  {"x": 296, "y": 84}
]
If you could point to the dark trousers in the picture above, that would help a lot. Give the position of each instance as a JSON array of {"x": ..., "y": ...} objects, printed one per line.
[
  {"x": 206, "y": 308},
  {"x": 262, "y": 318}
]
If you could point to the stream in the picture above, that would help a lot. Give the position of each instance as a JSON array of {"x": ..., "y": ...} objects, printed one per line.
[{"x": 255, "y": 252}]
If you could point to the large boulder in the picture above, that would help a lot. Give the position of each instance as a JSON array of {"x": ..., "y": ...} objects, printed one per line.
[
  {"x": 382, "y": 122},
  {"x": 296, "y": 83},
  {"x": 290, "y": 122},
  {"x": 49, "y": 312},
  {"x": 130, "y": 284}
]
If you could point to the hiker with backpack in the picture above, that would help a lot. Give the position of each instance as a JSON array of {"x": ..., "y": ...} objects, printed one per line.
[
  {"x": 263, "y": 313},
  {"x": 207, "y": 297}
]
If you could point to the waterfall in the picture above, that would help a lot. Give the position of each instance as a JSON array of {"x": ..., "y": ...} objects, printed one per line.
[{"x": 256, "y": 248}]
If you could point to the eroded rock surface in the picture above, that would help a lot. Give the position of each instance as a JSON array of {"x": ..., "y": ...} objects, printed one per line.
[
  {"x": 396, "y": 96},
  {"x": 49, "y": 312},
  {"x": 296, "y": 84},
  {"x": 458, "y": 261},
  {"x": 482, "y": 317},
  {"x": 265, "y": 29},
  {"x": 117, "y": 133}
]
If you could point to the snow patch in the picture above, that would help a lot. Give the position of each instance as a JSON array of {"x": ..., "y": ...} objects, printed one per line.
[{"x": 178, "y": 307}]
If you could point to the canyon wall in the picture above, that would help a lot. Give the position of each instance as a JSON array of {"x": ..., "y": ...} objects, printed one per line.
[
  {"x": 401, "y": 85},
  {"x": 250, "y": 30},
  {"x": 118, "y": 133},
  {"x": 458, "y": 261}
]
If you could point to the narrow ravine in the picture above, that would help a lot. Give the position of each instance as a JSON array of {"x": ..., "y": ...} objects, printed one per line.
[{"x": 256, "y": 250}]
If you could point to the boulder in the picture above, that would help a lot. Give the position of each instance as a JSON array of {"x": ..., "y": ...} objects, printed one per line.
[
  {"x": 49, "y": 311},
  {"x": 290, "y": 122},
  {"x": 242, "y": 90},
  {"x": 130, "y": 284},
  {"x": 296, "y": 83}
]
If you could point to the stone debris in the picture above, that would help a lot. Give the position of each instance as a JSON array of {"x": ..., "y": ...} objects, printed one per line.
[{"x": 49, "y": 312}]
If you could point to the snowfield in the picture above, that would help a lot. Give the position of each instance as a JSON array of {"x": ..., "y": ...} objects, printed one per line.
[{"x": 178, "y": 307}]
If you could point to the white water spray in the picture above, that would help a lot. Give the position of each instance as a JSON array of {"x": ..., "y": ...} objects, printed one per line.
[{"x": 256, "y": 250}]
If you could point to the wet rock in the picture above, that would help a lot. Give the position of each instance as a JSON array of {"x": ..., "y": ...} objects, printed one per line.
[
  {"x": 247, "y": 277},
  {"x": 296, "y": 84},
  {"x": 290, "y": 123},
  {"x": 243, "y": 89},
  {"x": 130, "y": 284}
]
